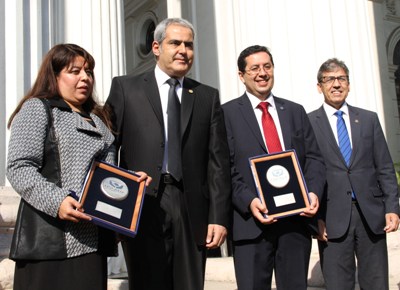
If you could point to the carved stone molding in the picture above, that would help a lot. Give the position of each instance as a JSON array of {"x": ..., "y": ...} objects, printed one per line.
[
  {"x": 392, "y": 10},
  {"x": 141, "y": 17},
  {"x": 391, "y": 7}
]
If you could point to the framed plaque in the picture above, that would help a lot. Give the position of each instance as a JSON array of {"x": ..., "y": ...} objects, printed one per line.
[
  {"x": 113, "y": 197},
  {"x": 280, "y": 183}
]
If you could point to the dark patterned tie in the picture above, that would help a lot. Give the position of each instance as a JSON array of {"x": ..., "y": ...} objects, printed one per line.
[
  {"x": 270, "y": 132},
  {"x": 174, "y": 131}
]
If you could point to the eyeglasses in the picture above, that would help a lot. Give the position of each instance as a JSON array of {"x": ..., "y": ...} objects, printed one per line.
[
  {"x": 331, "y": 79},
  {"x": 256, "y": 69}
]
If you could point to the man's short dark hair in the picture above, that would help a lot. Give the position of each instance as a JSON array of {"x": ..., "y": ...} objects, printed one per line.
[
  {"x": 249, "y": 51},
  {"x": 330, "y": 65}
]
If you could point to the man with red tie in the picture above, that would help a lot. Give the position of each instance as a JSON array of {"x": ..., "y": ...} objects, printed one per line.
[{"x": 259, "y": 123}]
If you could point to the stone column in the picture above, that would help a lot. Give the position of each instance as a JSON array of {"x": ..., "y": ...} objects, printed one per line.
[
  {"x": 29, "y": 29},
  {"x": 97, "y": 26},
  {"x": 9, "y": 201}
]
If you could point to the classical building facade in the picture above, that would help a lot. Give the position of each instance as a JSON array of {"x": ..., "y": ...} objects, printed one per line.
[{"x": 301, "y": 35}]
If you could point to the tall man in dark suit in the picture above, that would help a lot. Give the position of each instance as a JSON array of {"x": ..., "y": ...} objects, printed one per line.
[
  {"x": 263, "y": 244},
  {"x": 187, "y": 207},
  {"x": 360, "y": 203}
]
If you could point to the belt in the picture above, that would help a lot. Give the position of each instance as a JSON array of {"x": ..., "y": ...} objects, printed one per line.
[{"x": 169, "y": 179}]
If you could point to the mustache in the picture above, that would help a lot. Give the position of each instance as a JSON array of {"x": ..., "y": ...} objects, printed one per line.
[{"x": 265, "y": 78}]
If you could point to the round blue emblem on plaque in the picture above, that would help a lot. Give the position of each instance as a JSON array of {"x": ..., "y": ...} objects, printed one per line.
[
  {"x": 278, "y": 176},
  {"x": 114, "y": 188}
]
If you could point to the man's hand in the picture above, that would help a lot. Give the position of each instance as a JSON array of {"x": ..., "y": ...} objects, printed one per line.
[
  {"x": 392, "y": 222},
  {"x": 143, "y": 176},
  {"x": 259, "y": 210},
  {"x": 314, "y": 205},
  {"x": 216, "y": 235},
  {"x": 322, "y": 231}
]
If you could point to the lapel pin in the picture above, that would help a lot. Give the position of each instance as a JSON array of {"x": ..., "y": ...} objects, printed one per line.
[
  {"x": 356, "y": 120},
  {"x": 190, "y": 91}
]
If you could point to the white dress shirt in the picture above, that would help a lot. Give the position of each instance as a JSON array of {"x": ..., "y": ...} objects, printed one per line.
[
  {"x": 330, "y": 113},
  {"x": 272, "y": 110},
  {"x": 163, "y": 88}
]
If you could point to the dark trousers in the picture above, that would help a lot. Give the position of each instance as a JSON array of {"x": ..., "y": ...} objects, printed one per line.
[
  {"x": 164, "y": 255},
  {"x": 338, "y": 257},
  {"x": 80, "y": 273},
  {"x": 285, "y": 247}
]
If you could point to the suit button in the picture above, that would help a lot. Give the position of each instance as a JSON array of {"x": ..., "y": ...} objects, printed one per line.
[
  {"x": 159, "y": 167},
  {"x": 155, "y": 190},
  {"x": 162, "y": 144}
]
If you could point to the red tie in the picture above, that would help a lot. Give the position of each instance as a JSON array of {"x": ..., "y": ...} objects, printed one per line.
[{"x": 270, "y": 132}]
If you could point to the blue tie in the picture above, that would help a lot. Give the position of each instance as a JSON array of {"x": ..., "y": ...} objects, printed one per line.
[
  {"x": 344, "y": 141},
  {"x": 343, "y": 137}
]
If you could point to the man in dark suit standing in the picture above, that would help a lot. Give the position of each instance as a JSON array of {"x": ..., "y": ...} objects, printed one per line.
[
  {"x": 360, "y": 202},
  {"x": 262, "y": 244},
  {"x": 187, "y": 207}
]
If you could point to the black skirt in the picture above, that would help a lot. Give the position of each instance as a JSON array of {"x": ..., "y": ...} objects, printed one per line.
[{"x": 85, "y": 272}]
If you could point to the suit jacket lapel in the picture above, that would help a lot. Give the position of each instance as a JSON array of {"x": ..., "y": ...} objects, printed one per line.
[
  {"x": 187, "y": 102},
  {"x": 150, "y": 88},
  {"x": 84, "y": 125},
  {"x": 326, "y": 129},
  {"x": 80, "y": 123},
  {"x": 250, "y": 118},
  {"x": 355, "y": 131},
  {"x": 284, "y": 122}
]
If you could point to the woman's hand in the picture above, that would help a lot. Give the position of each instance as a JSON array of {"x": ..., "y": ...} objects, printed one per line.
[{"x": 71, "y": 210}]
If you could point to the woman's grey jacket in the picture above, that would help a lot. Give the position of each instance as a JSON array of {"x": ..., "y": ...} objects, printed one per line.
[{"x": 79, "y": 143}]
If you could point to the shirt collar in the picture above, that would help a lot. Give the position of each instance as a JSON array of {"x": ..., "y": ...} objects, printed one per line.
[
  {"x": 162, "y": 77},
  {"x": 59, "y": 103},
  {"x": 330, "y": 111},
  {"x": 255, "y": 101}
]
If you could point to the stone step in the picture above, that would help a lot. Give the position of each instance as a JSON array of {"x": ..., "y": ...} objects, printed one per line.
[{"x": 220, "y": 271}]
